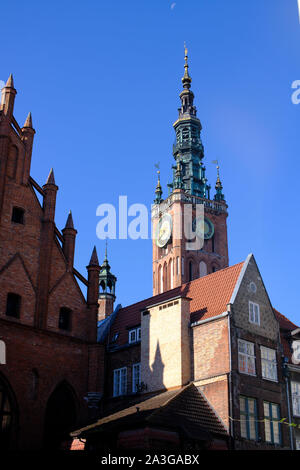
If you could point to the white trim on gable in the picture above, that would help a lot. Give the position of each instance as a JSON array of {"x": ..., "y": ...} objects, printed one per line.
[{"x": 239, "y": 281}]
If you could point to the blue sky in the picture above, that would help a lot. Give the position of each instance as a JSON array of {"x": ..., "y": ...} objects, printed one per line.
[{"x": 102, "y": 81}]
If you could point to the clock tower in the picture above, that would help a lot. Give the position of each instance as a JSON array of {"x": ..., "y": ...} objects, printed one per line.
[{"x": 189, "y": 226}]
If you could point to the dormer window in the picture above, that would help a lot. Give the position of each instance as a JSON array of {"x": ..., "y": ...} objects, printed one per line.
[
  {"x": 18, "y": 215},
  {"x": 135, "y": 335}
]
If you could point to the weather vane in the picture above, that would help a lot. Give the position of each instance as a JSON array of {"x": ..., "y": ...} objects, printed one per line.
[{"x": 157, "y": 166}]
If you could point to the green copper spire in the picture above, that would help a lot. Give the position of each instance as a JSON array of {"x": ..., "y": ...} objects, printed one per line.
[
  {"x": 219, "y": 196},
  {"x": 188, "y": 148},
  {"x": 107, "y": 281},
  {"x": 158, "y": 191}
]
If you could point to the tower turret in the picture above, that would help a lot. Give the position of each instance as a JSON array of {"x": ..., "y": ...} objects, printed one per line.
[
  {"x": 219, "y": 196},
  {"x": 27, "y": 137},
  {"x": 158, "y": 191},
  {"x": 8, "y": 97},
  {"x": 69, "y": 235},
  {"x": 107, "y": 289}
]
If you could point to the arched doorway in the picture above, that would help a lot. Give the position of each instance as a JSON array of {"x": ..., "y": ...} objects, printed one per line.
[
  {"x": 8, "y": 417},
  {"x": 60, "y": 417}
]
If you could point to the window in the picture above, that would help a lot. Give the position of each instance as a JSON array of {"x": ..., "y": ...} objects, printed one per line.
[
  {"x": 202, "y": 269},
  {"x": 120, "y": 382},
  {"x": 272, "y": 426},
  {"x": 268, "y": 363},
  {"x": 297, "y": 444},
  {"x": 177, "y": 265},
  {"x": 248, "y": 418},
  {"x": 64, "y": 322},
  {"x": 246, "y": 357},
  {"x": 182, "y": 266},
  {"x": 295, "y": 386},
  {"x": 254, "y": 315},
  {"x": 190, "y": 271},
  {"x": 135, "y": 335},
  {"x": 136, "y": 377},
  {"x": 17, "y": 215},
  {"x": 13, "y": 305}
]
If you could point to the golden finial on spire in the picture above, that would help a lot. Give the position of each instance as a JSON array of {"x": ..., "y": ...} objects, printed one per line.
[
  {"x": 185, "y": 50},
  {"x": 186, "y": 80}
]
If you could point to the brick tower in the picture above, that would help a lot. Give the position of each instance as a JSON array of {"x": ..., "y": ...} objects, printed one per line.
[{"x": 188, "y": 214}]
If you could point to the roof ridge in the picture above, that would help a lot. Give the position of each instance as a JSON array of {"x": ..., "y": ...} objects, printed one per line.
[{"x": 169, "y": 400}]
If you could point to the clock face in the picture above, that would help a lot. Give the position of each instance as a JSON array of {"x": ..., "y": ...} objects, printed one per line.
[
  {"x": 163, "y": 231},
  {"x": 203, "y": 227}
]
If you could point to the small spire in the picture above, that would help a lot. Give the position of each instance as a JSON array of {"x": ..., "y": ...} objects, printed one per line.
[
  {"x": 186, "y": 79},
  {"x": 28, "y": 122},
  {"x": 158, "y": 190},
  {"x": 94, "y": 258},
  {"x": 219, "y": 196},
  {"x": 69, "y": 223},
  {"x": 50, "y": 179},
  {"x": 10, "y": 82}
]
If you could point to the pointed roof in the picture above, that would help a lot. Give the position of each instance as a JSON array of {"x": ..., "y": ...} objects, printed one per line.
[
  {"x": 94, "y": 258},
  {"x": 28, "y": 122},
  {"x": 50, "y": 179},
  {"x": 10, "y": 82},
  {"x": 69, "y": 223},
  {"x": 185, "y": 408},
  {"x": 186, "y": 79}
]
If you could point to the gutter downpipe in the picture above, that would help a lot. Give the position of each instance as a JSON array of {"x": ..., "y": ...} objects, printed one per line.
[{"x": 289, "y": 408}]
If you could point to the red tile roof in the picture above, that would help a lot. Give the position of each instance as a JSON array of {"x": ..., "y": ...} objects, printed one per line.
[
  {"x": 285, "y": 327},
  {"x": 284, "y": 323},
  {"x": 209, "y": 297}
]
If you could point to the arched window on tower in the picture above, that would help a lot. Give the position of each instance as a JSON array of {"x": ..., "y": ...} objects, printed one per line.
[
  {"x": 171, "y": 274},
  {"x": 202, "y": 269},
  {"x": 213, "y": 243},
  {"x": 160, "y": 280},
  {"x": 190, "y": 271},
  {"x": 177, "y": 265},
  {"x": 165, "y": 277}
]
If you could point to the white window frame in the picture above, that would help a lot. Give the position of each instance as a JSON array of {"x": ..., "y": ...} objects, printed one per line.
[
  {"x": 295, "y": 389},
  {"x": 254, "y": 313},
  {"x": 120, "y": 382},
  {"x": 268, "y": 364},
  {"x": 136, "y": 371},
  {"x": 134, "y": 335},
  {"x": 247, "y": 356}
]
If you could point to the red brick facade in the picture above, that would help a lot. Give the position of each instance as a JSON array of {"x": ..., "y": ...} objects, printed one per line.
[{"x": 36, "y": 264}]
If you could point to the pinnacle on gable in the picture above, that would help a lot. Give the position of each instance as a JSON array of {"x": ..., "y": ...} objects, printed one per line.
[
  {"x": 28, "y": 122},
  {"x": 94, "y": 258},
  {"x": 69, "y": 223},
  {"x": 50, "y": 179},
  {"x": 10, "y": 82}
]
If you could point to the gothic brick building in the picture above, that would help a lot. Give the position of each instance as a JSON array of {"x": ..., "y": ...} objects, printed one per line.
[
  {"x": 199, "y": 365},
  {"x": 42, "y": 309}
]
